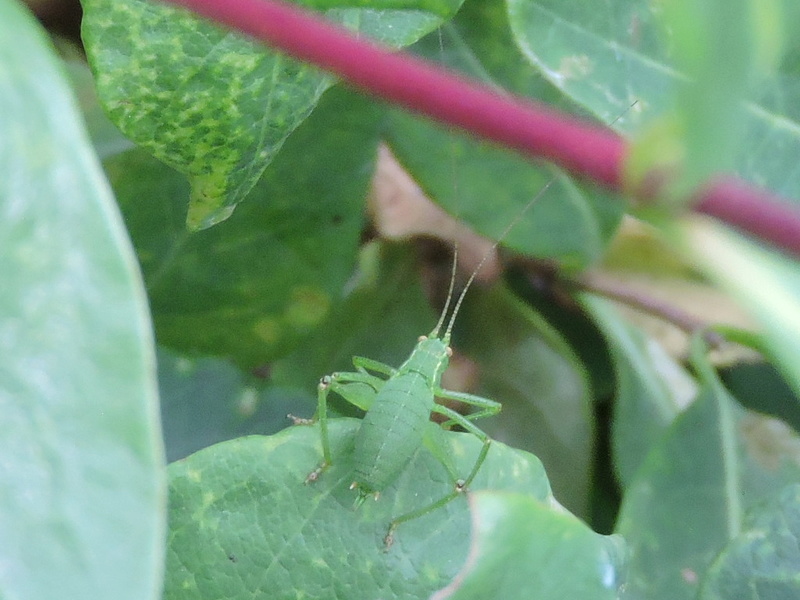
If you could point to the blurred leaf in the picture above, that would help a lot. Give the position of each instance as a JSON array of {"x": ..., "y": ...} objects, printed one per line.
[
  {"x": 243, "y": 524},
  {"x": 107, "y": 139},
  {"x": 488, "y": 187},
  {"x": 478, "y": 43},
  {"x": 604, "y": 59},
  {"x": 652, "y": 389},
  {"x": 82, "y": 498},
  {"x": 526, "y": 365},
  {"x": 215, "y": 105},
  {"x": 765, "y": 282},
  {"x": 381, "y": 319},
  {"x": 760, "y": 387},
  {"x": 689, "y": 497},
  {"x": 714, "y": 45},
  {"x": 607, "y": 57},
  {"x": 761, "y": 562},
  {"x": 255, "y": 286},
  {"x": 522, "y": 548},
  {"x": 207, "y": 400}
]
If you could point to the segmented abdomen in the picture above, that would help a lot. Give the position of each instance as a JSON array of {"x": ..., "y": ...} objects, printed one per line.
[{"x": 392, "y": 431}]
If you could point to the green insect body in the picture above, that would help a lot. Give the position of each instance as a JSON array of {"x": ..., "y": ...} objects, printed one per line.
[
  {"x": 398, "y": 407},
  {"x": 394, "y": 426}
]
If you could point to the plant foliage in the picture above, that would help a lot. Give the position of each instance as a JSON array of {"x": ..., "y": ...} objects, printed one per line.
[{"x": 218, "y": 199}]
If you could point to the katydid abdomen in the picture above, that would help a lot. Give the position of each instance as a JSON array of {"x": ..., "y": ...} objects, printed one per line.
[{"x": 392, "y": 431}]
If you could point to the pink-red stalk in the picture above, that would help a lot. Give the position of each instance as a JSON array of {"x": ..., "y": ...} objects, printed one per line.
[{"x": 579, "y": 147}]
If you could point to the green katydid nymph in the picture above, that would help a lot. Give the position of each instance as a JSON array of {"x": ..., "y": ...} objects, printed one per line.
[{"x": 399, "y": 409}]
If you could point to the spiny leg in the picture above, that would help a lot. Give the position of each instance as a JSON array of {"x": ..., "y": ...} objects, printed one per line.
[
  {"x": 461, "y": 420},
  {"x": 460, "y": 485}
]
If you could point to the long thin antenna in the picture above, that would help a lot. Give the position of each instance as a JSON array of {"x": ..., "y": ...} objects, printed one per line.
[
  {"x": 486, "y": 256},
  {"x": 443, "y": 316},
  {"x": 435, "y": 332},
  {"x": 510, "y": 226}
]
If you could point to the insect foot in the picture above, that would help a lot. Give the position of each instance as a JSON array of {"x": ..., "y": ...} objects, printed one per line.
[
  {"x": 314, "y": 475},
  {"x": 388, "y": 539},
  {"x": 300, "y": 420}
]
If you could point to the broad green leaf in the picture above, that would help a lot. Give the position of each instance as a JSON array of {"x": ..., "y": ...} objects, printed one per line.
[
  {"x": 381, "y": 318},
  {"x": 478, "y": 43},
  {"x": 527, "y": 366},
  {"x": 107, "y": 139},
  {"x": 604, "y": 58},
  {"x": 608, "y": 57},
  {"x": 207, "y": 400},
  {"x": 689, "y": 497},
  {"x": 82, "y": 496},
  {"x": 255, "y": 286},
  {"x": 488, "y": 187},
  {"x": 524, "y": 549},
  {"x": 212, "y": 104},
  {"x": 761, "y": 563},
  {"x": 714, "y": 44},
  {"x": 652, "y": 389},
  {"x": 765, "y": 282},
  {"x": 243, "y": 524},
  {"x": 759, "y": 386}
]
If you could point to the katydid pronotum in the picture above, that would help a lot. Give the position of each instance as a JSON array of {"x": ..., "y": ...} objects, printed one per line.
[{"x": 399, "y": 405}]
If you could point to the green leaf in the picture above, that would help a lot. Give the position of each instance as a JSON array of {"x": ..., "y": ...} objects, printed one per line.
[
  {"x": 243, "y": 524},
  {"x": 107, "y": 139},
  {"x": 207, "y": 400},
  {"x": 478, "y": 43},
  {"x": 765, "y": 282},
  {"x": 212, "y": 104},
  {"x": 652, "y": 389},
  {"x": 688, "y": 499},
  {"x": 759, "y": 386},
  {"x": 527, "y": 366},
  {"x": 761, "y": 563},
  {"x": 82, "y": 500},
  {"x": 488, "y": 187},
  {"x": 381, "y": 318},
  {"x": 255, "y": 286},
  {"x": 714, "y": 45},
  {"x": 608, "y": 57},
  {"x": 524, "y": 549}
]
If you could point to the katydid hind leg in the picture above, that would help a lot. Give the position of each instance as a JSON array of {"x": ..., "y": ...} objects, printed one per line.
[
  {"x": 461, "y": 485},
  {"x": 461, "y": 420}
]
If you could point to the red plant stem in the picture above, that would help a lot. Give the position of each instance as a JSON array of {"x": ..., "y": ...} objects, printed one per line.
[{"x": 581, "y": 148}]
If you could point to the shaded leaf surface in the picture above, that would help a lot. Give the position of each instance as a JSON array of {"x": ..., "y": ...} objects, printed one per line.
[
  {"x": 255, "y": 286},
  {"x": 243, "y": 524},
  {"x": 688, "y": 499},
  {"x": 652, "y": 389},
  {"x": 525, "y": 364},
  {"x": 762, "y": 562},
  {"x": 566, "y": 222},
  {"x": 207, "y": 400},
  {"x": 523, "y": 549},
  {"x": 766, "y": 283},
  {"x": 212, "y": 104},
  {"x": 606, "y": 58},
  {"x": 82, "y": 496},
  {"x": 381, "y": 318}
]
